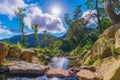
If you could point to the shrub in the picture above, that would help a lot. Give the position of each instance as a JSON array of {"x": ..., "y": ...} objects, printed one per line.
[
  {"x": 112, "y": 47},
  {"x": 90, "y": 61}
]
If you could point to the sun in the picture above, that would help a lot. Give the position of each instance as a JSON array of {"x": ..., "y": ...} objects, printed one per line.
[{"x": 56, "y": 10}]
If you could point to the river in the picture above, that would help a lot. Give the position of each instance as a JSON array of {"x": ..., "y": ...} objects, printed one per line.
[{"x": 56, "y": 62}]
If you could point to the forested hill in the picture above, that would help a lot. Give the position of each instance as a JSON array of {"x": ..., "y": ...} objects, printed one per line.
[{"x": 30, "y": 40}]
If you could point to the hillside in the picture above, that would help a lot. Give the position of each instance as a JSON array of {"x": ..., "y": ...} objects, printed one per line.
[{"x": 30, "y": 40}]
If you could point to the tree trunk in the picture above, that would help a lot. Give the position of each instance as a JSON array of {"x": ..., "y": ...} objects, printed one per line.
[
  {"x": 98, "y": 17},
  {"x": 23, "y": 39},
  {"x": 113, "y": 17}
]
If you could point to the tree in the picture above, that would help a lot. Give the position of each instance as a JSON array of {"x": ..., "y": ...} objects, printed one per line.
[
  {"x": 20, "y": 15},
  {"x": 77, "y": 13},
  {"x": 47, "y": 41},
  {"x": 95, "y": 5},
  {"x": 77, "y": 30},
  {"x": 98, "y": 17},
  {"x": 35, "y": 28},
  {"x": 111, "y": 8},
  {"x": 110, "y": 11}
]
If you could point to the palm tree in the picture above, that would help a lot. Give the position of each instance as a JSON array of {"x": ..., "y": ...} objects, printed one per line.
[
  {"x": 20, "y": 15},
  {"x": 35, "y": 28}
]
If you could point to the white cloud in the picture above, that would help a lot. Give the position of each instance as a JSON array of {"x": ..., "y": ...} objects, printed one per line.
[
  {"x": 90, "y": 16},
  {"x": 8, "y": 7},
  {"x": 45, "y": 21},
  {"x": 4, "y": 31},
  {"x": 34, "y": 15}
]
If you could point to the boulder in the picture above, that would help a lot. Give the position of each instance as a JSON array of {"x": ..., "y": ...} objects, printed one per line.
[
  {"x": 14, "y": 51},
  {"x": 102, "y": 48},
  {"x": 110, "y": 68},
  {"x": 3, "y": 51},
  {"x": 90, "y": 68},
  {"x": 57, "y": 73},
  {"x": 22, "y": 67},
  {"x": 110, "y": 32},
  {"x": 117, "y": 41},
  {"x": 88, "y": 75},
  {"x": 35, "y": 60},
  {"x": 28, "y": 54},
  {"x": 62, "y": 73}
]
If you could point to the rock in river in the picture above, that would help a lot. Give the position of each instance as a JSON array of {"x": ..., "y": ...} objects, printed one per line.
[
  {"x": 22, "y": 67},
  {"x": 57, "y": 73},
  {"x": 88, "y": 75}
]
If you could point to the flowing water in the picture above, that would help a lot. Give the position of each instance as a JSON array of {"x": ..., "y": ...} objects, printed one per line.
[{"x": 56, "y": 62}]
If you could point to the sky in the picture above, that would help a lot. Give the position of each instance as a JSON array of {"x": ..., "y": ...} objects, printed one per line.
[{"x": 48, "y": 14}]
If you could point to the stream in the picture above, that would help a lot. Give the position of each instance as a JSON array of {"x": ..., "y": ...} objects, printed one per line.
[{"x": 56, "y": 62}]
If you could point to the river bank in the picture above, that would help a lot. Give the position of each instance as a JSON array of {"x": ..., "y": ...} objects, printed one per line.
[
  {"x": 58, "y": 64},
  {"x": 57, "y": 70}
]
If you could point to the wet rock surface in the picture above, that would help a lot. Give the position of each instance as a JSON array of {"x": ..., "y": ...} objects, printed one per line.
[
  {"x": 110, "y": 68},
  {"x": 88, "y": 75},
  {"x": 22, "y": 67},
  {"x": 57, "y": 73}
]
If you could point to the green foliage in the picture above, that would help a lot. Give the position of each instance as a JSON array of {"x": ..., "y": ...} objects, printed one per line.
[
  {"x": 26, "y": 43},
  {"x": 92, "y": 37},
  {"x": 87, "y": 46},
  {"x": 47, "y": 52},
  {"x": 97, "y": 62},
  {"x": 57, "y": 43},
  {"x": 77, "y": 52},
  {"x": 90, "y": 61},
  {"x": 67, "y": 45},
  {"x": 56, "y": 51},
  {"x": 79, "y": 37},
  {"x": 35, "y": 28},
  {"x": 87, "y": 43},
  {"x": 47, "y": 41},
  {"x": 20, "y": 15},
  {"x": 105, "y": 23},
  {"x": 19, "y": 45},
  {"x": 77, "y": 31},
  {"x": 112, "y": 47},
  {"x": 77, "y": 13}
]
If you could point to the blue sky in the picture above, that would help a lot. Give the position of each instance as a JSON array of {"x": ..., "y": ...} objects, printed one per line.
[{"x": 37, "y": 12}]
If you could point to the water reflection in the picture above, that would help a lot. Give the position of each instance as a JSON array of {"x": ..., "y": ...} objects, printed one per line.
[{"x": 38, "y": 78}]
